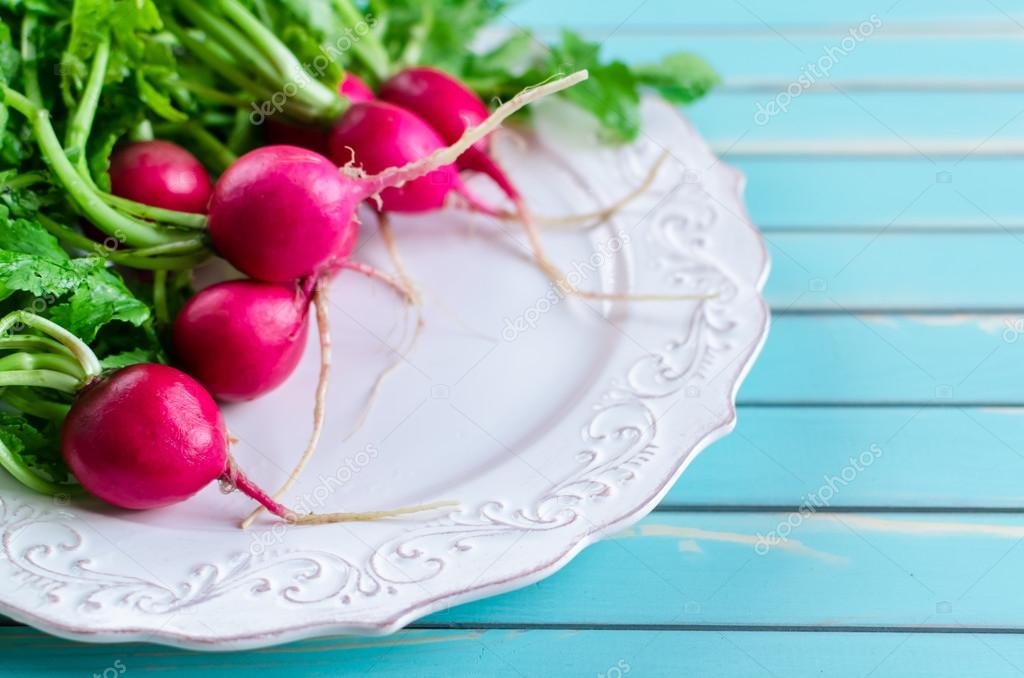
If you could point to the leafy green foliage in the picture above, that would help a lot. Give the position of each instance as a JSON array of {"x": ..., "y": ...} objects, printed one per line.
[{"x": 612, "y": 92}]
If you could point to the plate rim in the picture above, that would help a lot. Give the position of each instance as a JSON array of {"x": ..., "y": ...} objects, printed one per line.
[{"x": 537, "y": 572}]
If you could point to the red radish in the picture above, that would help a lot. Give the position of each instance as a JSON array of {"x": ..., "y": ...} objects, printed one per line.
[
  {"x": 451, "y": 108},
  {"x": 281, "y": 213},
  {"x": 308, "y": 136},
  {"x": 160, "y": 174},
  {"x": 377, "y": 135},
  {"x": 149, "y": 436},
  {"x": 355, "y": 89},
  {"x": 242, "y": 338}
]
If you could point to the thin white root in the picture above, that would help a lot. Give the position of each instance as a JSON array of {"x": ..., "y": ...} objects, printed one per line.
[
  {"x": 319, "y": 408},
  {"x": 559, "y": 278},
  {"x": 396, "y": 176},
  {"x": 607, "y": 212},
  {"x": 403, "y": 354},
  {"x": 399, "y": 285},
  {"x": 325, "y": 518}
]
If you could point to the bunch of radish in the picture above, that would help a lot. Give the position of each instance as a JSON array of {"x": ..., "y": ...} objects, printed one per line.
[{"x": 150, "y": 435}]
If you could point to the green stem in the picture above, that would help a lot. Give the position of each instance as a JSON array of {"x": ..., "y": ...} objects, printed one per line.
[
  {"x": 214, "y": 95},
  {"x": 226, "y": 35},
  {"x": 29, "y": 60},
  {"x": 23, "y": 360},
  {"x": 29, "y": 342},
  {"x": 368, "y": 47},
  {"x": 104, "y": 217},
  {"x": 160, "y": 298},
  {"x": 224, "y": 67},
  {"x": 81, "y": 122},
  {"x": 58, "y": 381},
  {"x": 188, "y": 220},
  {"x": 216, "y": 155},
  {"x": 86, "y": 358},
  {"x": 142, "y": 131},
  {"x": 30, "y": 403},
  {"x": 313, "y": 91},
  {"x": 17, "y": 467},
  {"x": 24, "y": 180},
  {"x": 417, "y": 37},
  {"x": 127, "y": 258},
  {"x": 241, "y": 133}
]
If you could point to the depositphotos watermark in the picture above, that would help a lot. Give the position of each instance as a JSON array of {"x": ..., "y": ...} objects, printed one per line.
[
  {"x": 557, "y": 291},
  {"x": 814, "y": 71},
  {"x": 329, "y": 54},
  {"x": 821, "y": 498}
]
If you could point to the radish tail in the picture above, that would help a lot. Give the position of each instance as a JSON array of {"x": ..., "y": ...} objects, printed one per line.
[
  {"x": 607, "y": 212},
  {"x": 319, "y": 409},
  {"x": 405, "y": 290},
  {"x": 233, "y": 476},
  {"x": 559, "y": 278},
  {"x": 396, "y": 176}
]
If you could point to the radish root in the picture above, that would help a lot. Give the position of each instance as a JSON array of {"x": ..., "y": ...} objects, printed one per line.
[
  {"x": 604, "y": 213},
  {"x": 319, "y": 408},
  {"x": 406, "y": 280},
  {"x": 234, "y": 478},
  {"x": 396, "y": 176}
]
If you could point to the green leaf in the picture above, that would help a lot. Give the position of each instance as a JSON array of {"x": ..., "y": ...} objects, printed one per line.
[
  {"x": 32, "y": 454},
  {"x": 681, "y": 77},
  {"x": 101, "y": 297},
  {"x": 133, "y": 357},
  {"x": 28, "y": 237}
]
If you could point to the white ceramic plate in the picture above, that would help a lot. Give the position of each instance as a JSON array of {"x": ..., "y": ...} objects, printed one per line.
[{"x": 553, "y": 421}]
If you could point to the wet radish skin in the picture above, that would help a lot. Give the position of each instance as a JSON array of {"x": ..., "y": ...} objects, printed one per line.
[
  {"x": 144, "y": 437},
  {"x": 242, "y": 339},
  {"x": 277, "y": 211},
  {"x": 380, "y": 135},
  {"x": 160, "y": 174}
]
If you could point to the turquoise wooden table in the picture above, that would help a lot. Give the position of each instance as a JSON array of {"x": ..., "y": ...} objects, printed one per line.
[{"x": 866, "y": 517}]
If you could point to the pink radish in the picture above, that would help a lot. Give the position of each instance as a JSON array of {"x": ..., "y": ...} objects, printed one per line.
[
  {"x": 430, "y": 108},
  {"x": 450, "y": 107},
  {"x": 242, "y": 338},
  {"x": 281, "y": 213},
  {"x": 356, "y": 90},
  {"x": 160, "y": 174},
  {"x": 378, "y": 135},
  {"x": 149, "y": 436}
]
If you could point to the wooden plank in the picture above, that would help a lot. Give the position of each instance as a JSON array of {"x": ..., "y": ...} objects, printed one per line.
[
  {"x": 895, "y": 270},
  {"x": 729, "y": 119},
  {"x": 556, "y": 652},
  {"x": 823, "y": 59},
  {"x": 950, "y": 457},
  {"x": 925, "y": 360},
  {"x": 815, "y": 568},
  {"x": 885, "y": 193},
  {"x": 755, "y": 13}
]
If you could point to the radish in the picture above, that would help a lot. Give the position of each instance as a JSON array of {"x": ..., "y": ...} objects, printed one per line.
[
  {"x": 143, "y": 436},
  {"x": 160, "y": 174},
  {"x": 355, "y": 89},
  {"x": 450, "y": 108},
  {"x": 242, "y": 338},
  {"x": 379, "y": 135},
  {"x": 149, "y": 436}
]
